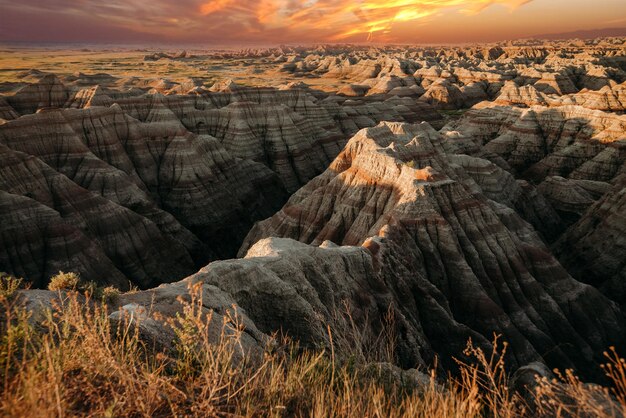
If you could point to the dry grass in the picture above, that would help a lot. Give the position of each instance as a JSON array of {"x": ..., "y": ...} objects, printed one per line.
[
  {"x": 81, "y": 365},
  {"x": 568, "y": 396}
]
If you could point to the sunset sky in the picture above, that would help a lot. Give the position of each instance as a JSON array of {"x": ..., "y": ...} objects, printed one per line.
[{"x": 290, "y": 21}]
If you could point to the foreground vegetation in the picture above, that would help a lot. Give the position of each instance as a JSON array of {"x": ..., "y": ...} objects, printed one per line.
[{"x": 79, "y": 364}]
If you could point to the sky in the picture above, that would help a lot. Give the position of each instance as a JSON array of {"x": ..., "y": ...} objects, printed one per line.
[{"x": 300, "y": 21}]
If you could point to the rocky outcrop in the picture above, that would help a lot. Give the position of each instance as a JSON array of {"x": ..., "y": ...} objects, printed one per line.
[
  {"x": 499, "y": 185},
  {"x": 89, "y": 97},
  {"x": 571, "y": 153},
  {"x": 444, "y": 95},
  {"x": 291, "y": 131},
  {"x": 572, "y": 197},
  {"x": 200, "y": 168},
  {"x": 458, "y": 263},
  {"x": 301, "y": 289},
  {"x": 566, "y": 141},
  {"x": 610, "y": 98},
  {"x": 156, "y": 312},
  {"x": 48, "y": 92},
  {"x": 525, "y": 96},
  {"x": 297, "y": 146},
  {"x": 71, "y": 223},
  {"x": 432, "y": 237},
  {"x": 555, "y": 83},
  {"x": 280, "y": 286},
  {"x": 163, "y": 55}
]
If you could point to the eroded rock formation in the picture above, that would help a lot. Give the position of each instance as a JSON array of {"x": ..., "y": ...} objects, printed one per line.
[
  {"x": 156, "y": 201},
  {"x": 458, "y": 263}
]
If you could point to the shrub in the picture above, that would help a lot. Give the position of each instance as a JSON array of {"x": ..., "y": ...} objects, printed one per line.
[
  {"x": 110, "y": 294},
  {"x": 9, "y": 285},
  {"x": 64, "y": 281}
]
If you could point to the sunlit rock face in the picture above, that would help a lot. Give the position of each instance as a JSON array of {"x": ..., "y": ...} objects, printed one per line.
[
  {"x": 540, "y": 141},
  {"x": 458, "y": 259}
]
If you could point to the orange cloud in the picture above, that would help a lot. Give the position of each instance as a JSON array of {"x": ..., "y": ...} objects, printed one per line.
[
  {"x": 214, "y": 6},
  {"x": 381, "y": 15},
  {"x": 341, "y": 19},
  {"x": 262, "y": 20}
]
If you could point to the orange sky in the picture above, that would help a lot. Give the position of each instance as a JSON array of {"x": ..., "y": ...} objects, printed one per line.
[{"x": 290, "y": 21}]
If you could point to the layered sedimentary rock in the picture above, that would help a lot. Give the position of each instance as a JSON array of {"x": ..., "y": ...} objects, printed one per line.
[
  {"x": 89, "y": 97},
  {"x": 156, "y": 200},
  {"x": 573, "y": 154},
  {"x": 290, "y": 130},
  {"x": 163, "y": 55},
  {"x": 143, "y": 179},
  {"x": 458, "y": 263},
  {"x": 568, "y": 141},
  {"x": 610, "y": 98},
  {"x": 562, "y": 70},
  {"x": 284, "y": 130},
  {"x": 531, "y": 203},
  {"x": 281, "y": 286},
  {"x": 298, "y": 289},
  {"x": 444, "y": 95},
  {"x": 593, "y": 248},
  {"x": 49, "y": 91},
  {"x": 522, "y": 96},
  {"x": 199, "y": 168},
  {"x": 50, "y": 223},
  {"x": 6, "y": 111},
  {"x": 572, "y": 197},
  {"x": 555, "y": 83}
]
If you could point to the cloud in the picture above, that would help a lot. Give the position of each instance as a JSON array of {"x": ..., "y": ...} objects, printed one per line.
[{"x": 317, "y": 20}]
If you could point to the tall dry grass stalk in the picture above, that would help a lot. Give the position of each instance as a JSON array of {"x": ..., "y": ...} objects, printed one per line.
[{"x": 81, "y": 365}]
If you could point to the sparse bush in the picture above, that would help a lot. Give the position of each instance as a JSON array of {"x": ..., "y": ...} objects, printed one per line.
[
  {"x": 9, "y": 285},
  {"x": 64, "y": 281},
  {"x": 110, "y": 294},
  {"x": 91, "y": 289}
]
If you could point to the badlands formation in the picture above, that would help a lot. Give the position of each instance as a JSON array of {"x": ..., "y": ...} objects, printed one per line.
[{"x": 461, "y": 191}]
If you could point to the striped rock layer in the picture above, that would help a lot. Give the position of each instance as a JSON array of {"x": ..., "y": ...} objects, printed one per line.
[
  {"x": 118, "y": 200},
  {"x": 457, "y": 263},
  {"x": 290, "y": 131},
  {"x": 180, "y": 177}
]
